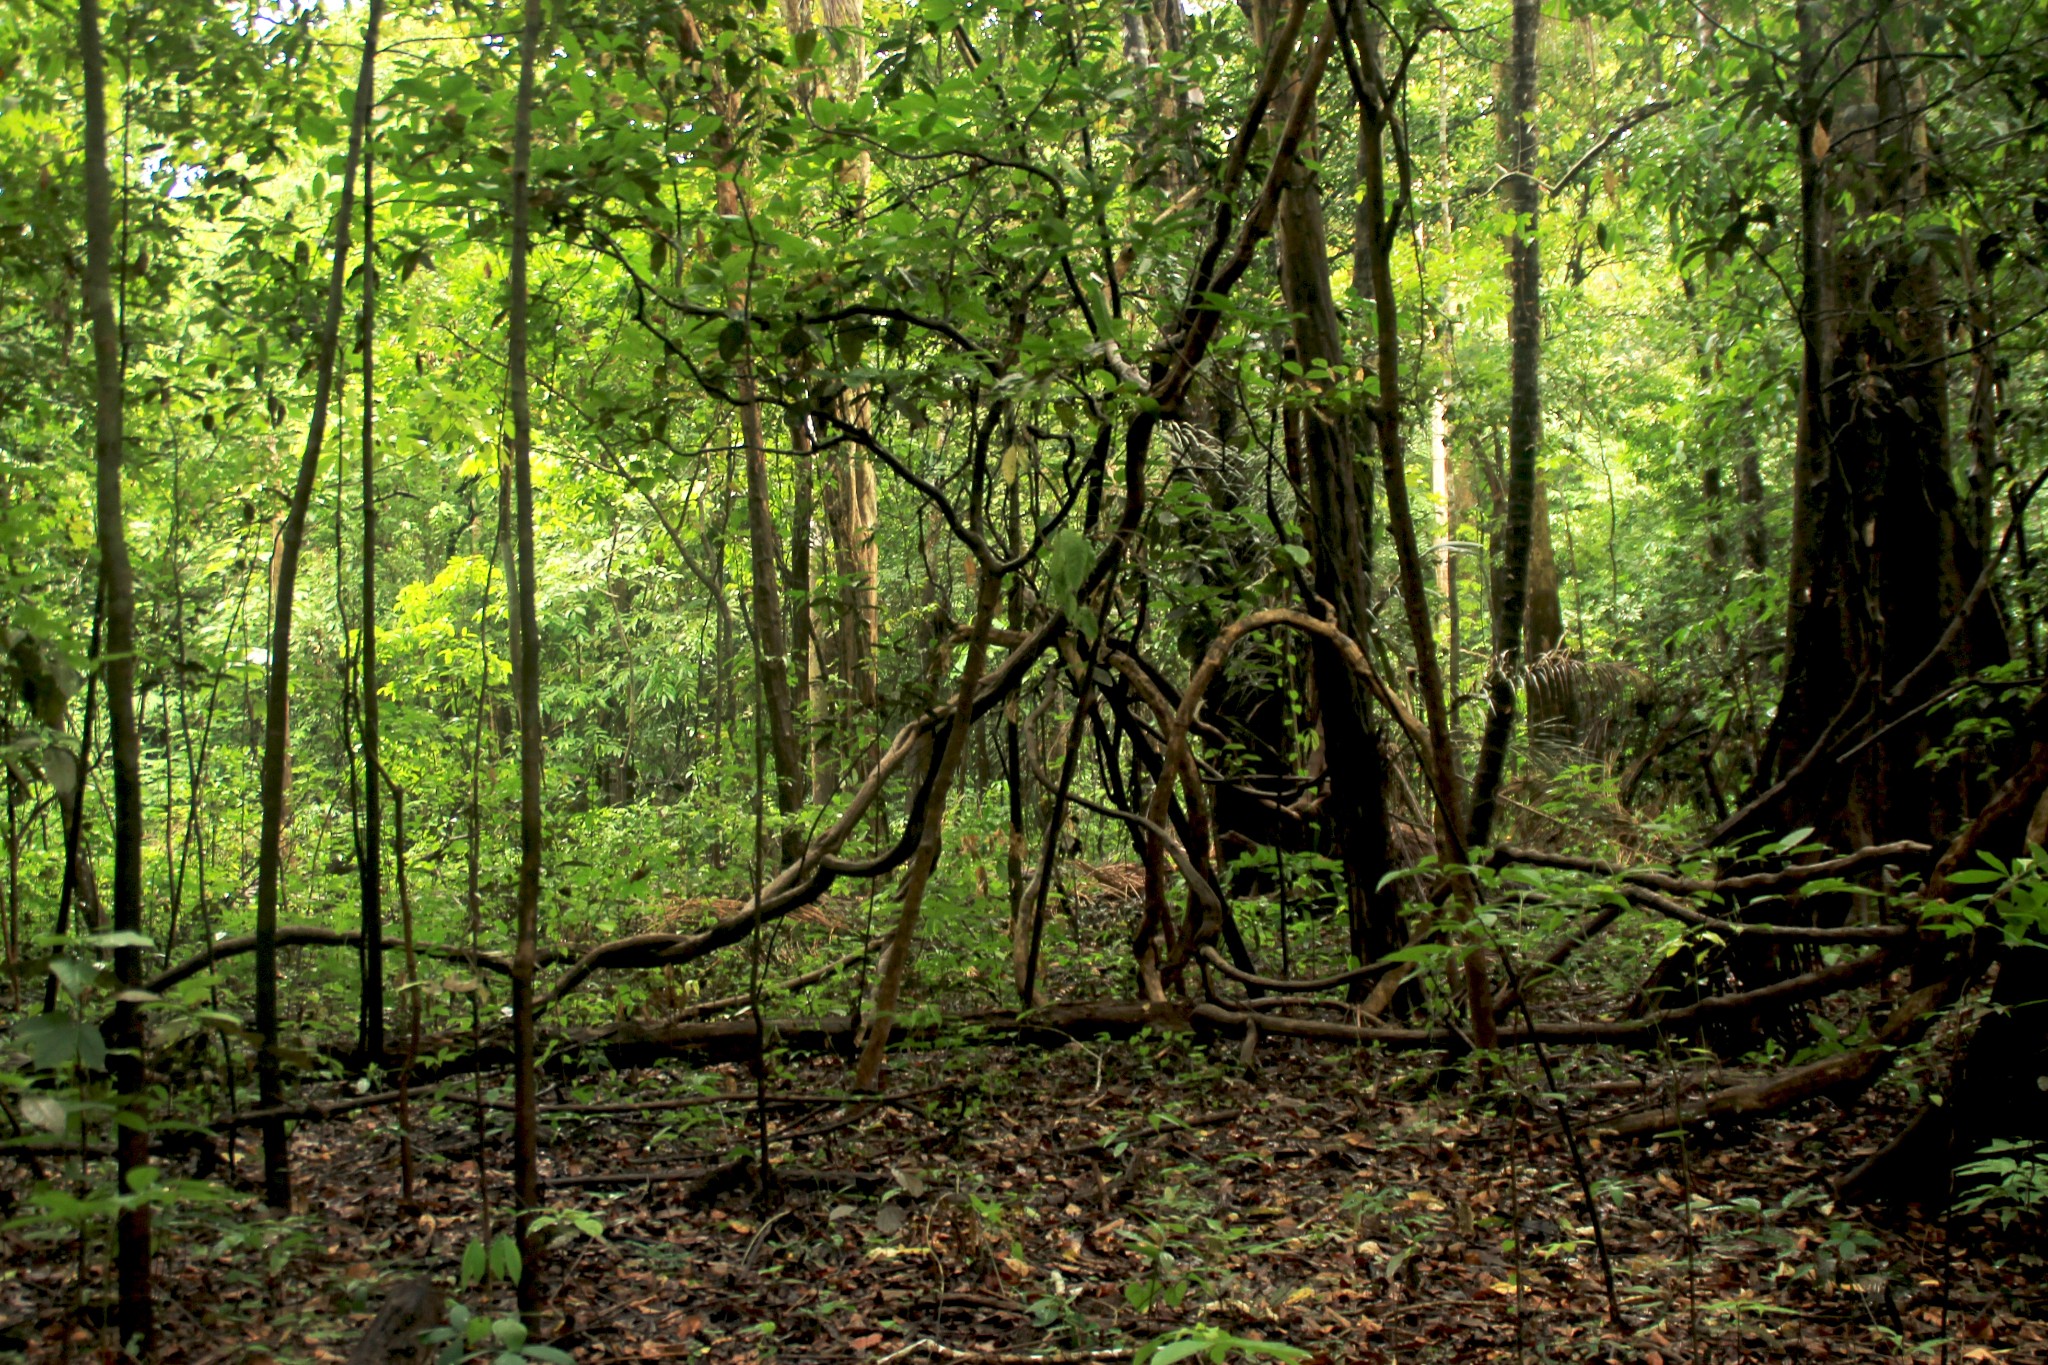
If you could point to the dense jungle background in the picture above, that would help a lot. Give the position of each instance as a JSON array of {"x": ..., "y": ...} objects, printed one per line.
[{"x": 963, "y": 680}]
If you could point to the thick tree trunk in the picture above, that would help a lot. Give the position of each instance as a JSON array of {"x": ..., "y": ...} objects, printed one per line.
[
  {"x": 277, "y": 1180},
  {"x": 1337, "y": 522},
  {"x": 526, "y": 682},
  {"x": 1996, "y": 1089},
  {"x": 1525, "y": 415},
  {"x": 1882, "y": 559},
  {"x": 134, "y": 1309}
]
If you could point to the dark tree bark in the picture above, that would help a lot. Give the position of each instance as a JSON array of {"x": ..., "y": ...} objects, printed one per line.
[
  {"x": 277, "y": 1179},
  {"x": 1882, "y": 559},
  {"x": 1996, "y": 1088},
  {"x": 526, "y": 682},
  {"x": 1337, "y": 522},
  {"x": 1525, "y": 415},
  {"x": 1373, "y": 252},
  {"x": 134, "y": 1309}
]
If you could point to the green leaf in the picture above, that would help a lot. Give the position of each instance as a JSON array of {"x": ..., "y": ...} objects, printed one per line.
[
  {"x": 56, "y": 1041},
  {"x": 510, "y": 1333},
  {"x": 75, "y": 975},
  {"x": 120, "y": 938},
  {"x": 475, "y": 1263},
  {"x": 1067, "y": 561},
  {"x": 504, "y": 1258}
]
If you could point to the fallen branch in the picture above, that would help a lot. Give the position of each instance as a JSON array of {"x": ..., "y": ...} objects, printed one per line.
[
  {"x": 1794, "y": 875},
  {"x": 708, "y": 1182},
  {"x": 1671, "y": 908},
  {"x": 1317, "y": 983},
  {"x": 631, "y": 1043},
  {"x": 941, "y": 1352},
  {"x": 1844, "y": 1072},
  {"x": 317, "y": 1110},
  {"x": 795, "y": 983},
  {"x": 1812, "y": 985},
  {"x": 1560, "y": 952}
]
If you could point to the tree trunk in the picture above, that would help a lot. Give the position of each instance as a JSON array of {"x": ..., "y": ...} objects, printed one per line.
[
  {"x": 763, "y": 541},
  {"x": 134, "y": 1309},
  {"x": 1525, "y": 415},
  {"x": 1882, "y": 560},
  {"x": 1373, "y": 266},
  {"x": 277, "y": 1186},
  {"x": 1337, "y": 522},
  {"x": 1549, "y": 684},
  {"x": 526, "y": 682},
  {"x": 798, "y": 589},
  {"x": 371, "y": 861},
  {"x": 896, "y": 958}
]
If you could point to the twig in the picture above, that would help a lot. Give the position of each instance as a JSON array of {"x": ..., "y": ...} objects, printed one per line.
[
  {"x": 944, "y": 1352},
  {"x": 1571, "y": 1142}
]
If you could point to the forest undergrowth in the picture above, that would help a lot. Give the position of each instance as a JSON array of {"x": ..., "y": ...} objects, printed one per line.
[
  {"x": 1088, "y": 1200},
  {"x": 1055, "y": 1205}
]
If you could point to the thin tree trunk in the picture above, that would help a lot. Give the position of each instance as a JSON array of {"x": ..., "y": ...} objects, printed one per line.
[
  {"x": 134, "y": 1310},
  {"x": 77, "y": 883},
  {"x": 763, "y": 542},
  {"x": 801, "y": 629},
  {"x": 852, "y": 496},
  {"x": 1374, "y": 251},
  {"x": 765, "y": 555},
  {"x": 409, "y": 989},
  {"x": 1443, "y": 479},
  {"x": 1021, "y": 935},
  {"x": 889, "y": 980},
  {"x": 526, "y": 682},
  {"x": 1548, "y": 684},
  {"x": 277, "y": 1180},
  {"x": 371, "y": 862},
  {"x": 1987, "y": 389},
  {"x": 1373, "y": 248},
  {"x": 1525, "y": 416}
]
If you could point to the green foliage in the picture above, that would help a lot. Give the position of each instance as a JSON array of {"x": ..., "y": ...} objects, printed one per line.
[
  {"x": 1212, "y": 1343},
  {"x": 472, "y": 1336},
  {"x": 2008, "y": 1180}
]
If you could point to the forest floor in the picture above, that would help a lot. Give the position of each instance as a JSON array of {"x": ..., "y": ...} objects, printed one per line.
[{"x": 1076, "y": 1203}]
